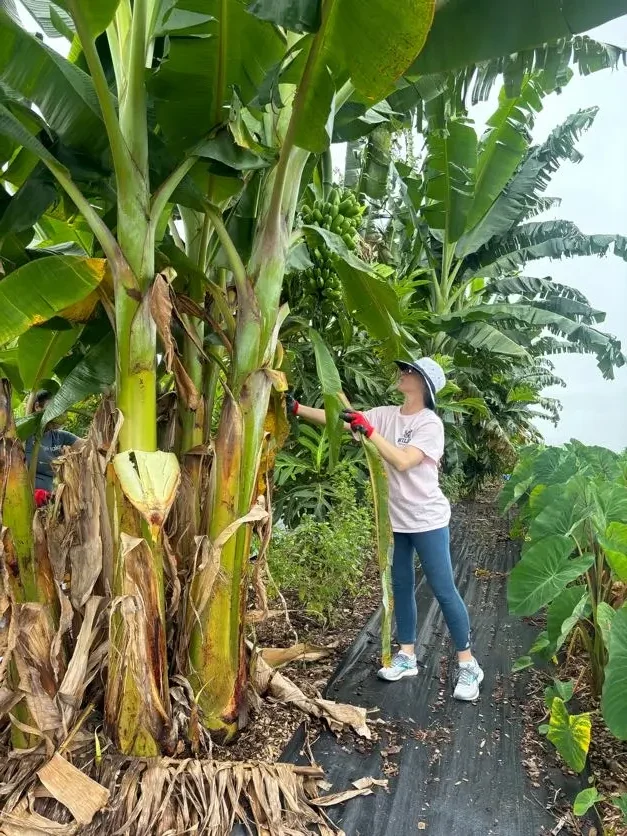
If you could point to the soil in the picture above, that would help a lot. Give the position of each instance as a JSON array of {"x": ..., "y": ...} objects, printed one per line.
[
  {"x": 607, "y": 761},
  {"x": 272, "y": 725}
]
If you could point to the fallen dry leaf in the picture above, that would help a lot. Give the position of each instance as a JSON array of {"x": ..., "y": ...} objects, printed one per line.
[
  {"x": 22, "y": 822},
  {"x": 363, "y": 783},
  {"x": 82, "y": 796},
  {"x": 276, "y": 657}
]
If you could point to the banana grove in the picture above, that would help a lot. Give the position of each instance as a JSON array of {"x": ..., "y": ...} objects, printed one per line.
[{"x": 150, "y": 185}]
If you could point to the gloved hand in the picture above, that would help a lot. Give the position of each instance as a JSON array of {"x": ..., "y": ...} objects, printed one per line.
[
  {"x": 358, "y": 421},
  {"x": 291, "y": 404},
  {"x": 42, "y": 497}
]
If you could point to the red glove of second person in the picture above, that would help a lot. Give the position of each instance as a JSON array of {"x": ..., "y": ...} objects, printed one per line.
[
  {"x": 42, "y": 497},
  {"x": 358, "y": 421}
]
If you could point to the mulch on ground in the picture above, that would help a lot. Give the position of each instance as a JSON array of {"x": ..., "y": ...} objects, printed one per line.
[{"x": 272, "y": 725}]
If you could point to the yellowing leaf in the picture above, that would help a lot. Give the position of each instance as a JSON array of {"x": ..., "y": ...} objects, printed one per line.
[
  {"x": 150, "y": 482},
  {"x": 570, "y": 734}
]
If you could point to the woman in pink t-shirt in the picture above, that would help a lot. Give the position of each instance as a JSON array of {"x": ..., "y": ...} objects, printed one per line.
[{"x": 410, "y": 439}]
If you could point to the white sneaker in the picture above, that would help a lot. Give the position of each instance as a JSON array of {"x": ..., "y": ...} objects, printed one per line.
[
  {"x": 402, "y": 665},
  {"x": 469, "y": 678}
]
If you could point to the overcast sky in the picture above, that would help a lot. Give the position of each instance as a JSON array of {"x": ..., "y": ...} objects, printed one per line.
[{"x": 594, "y": 196}]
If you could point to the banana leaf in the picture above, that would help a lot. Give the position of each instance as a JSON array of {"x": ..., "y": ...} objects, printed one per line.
[{"x": 333, "y": 399}]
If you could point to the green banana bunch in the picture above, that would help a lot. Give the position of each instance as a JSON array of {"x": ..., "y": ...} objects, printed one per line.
[{"x": 319, "y": 289}]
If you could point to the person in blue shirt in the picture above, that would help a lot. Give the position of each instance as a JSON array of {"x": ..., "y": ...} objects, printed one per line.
[{"x": 52, "y": 443}]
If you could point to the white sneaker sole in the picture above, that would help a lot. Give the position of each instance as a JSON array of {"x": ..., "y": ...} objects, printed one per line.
[
  {"x": 475, "y": 694},
  {"x": 390, "y": 677}
]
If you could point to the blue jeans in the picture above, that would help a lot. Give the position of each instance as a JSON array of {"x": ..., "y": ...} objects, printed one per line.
[{"x": 435, "y": 558}]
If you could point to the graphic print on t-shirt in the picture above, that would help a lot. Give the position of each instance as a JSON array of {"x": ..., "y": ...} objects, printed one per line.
[
  {"x": 406, "y": 437},
  {"x": 416, "y": 499}
]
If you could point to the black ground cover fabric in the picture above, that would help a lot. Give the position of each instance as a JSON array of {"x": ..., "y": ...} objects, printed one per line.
[{"x": 454, "y": 769}]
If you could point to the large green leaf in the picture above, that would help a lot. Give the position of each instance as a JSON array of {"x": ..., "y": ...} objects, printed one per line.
[
  {"x": 40, "y": 290},
  {"x": 547, "y": 239},
  {"x": 615, "y": 686},
  {"x": 96, "y": 14},
  {"x": 562, "y": 508},
  {"x": 502, "y": 149},
  {"x": 63, "y": 93},
  {"x": 232, "y": 51},
  {"x": 332, "y": 393},
  {"x": 570, "y": 734},
  {"x": 605, "y": 347},
  {"x": 385, "y": 541},
  {"x": 466, "y": 32},
  {"x": 481, "y": 336},
  {"x": 533, "y": 288},
  {"x": 370, "y": 298},
  {"x": 610, "y": 504},
  {"x": 94, "y": 374},
  {"x": 450, "y": 177},
  {"x": 614, "y": 544},
  {"x": 39, "y": 351},
  {"x": 46, "y": 14},
  {"x": 524, "y": 193},
  {"x": 564, "y": 612},
  {"x": 343, "y": 51},
  {"x": 542, "y": 573}
]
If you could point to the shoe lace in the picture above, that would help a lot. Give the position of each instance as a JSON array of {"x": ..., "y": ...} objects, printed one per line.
[
  {"x": 399, "y": 660},
  {"x": 466, "y": 676}
]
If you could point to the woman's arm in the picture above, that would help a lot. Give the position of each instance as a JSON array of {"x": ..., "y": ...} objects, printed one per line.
[
  {"x": 310, "y": 413},
  {"x": 400, "y": 459}
]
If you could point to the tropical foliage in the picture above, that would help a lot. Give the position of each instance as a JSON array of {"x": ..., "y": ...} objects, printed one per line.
[
  {"x": 453, "y": 232},
  {"x": 150, "y": 185},
  {"x": 572, "y": 502}
]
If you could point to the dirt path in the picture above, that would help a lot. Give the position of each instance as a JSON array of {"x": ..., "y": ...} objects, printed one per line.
[{"x": 454, "y": 769}]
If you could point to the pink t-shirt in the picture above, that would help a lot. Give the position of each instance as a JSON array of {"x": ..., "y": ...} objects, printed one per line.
[{"x": 416, "y": 501}]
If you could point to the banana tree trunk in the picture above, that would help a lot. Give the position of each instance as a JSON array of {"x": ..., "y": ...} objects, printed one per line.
[
  {"x": 217, "y": 658},
  {"x": 26, "y": 564}
]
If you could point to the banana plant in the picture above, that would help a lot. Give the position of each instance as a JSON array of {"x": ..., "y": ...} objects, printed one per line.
[
  {"x": 208, "y": 147},
  {"x": 466, "y": 230},
  {"x": 216, "y": 113}
]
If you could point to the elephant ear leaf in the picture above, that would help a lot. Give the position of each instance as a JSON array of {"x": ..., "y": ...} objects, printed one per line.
[
  {"x": 543, "y": 572},
  {"x": 570, "y": 734},
  {"x": 615, "y": 685}
]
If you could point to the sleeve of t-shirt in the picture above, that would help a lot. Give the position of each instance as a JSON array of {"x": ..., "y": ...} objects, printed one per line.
[{"x": 430, "y": 439}]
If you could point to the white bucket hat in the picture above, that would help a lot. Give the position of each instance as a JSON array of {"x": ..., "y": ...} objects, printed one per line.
[{"x": 430, "y": 371}]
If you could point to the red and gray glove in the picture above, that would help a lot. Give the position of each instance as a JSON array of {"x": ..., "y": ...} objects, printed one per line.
[
  {"x": 291, "y": 404},
  {"x": 42, "y": 497},
  {"x": 358, "y": 421}
]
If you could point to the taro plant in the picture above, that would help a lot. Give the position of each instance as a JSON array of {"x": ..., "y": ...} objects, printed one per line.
[{"x": 572, "y": 503}]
